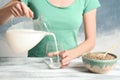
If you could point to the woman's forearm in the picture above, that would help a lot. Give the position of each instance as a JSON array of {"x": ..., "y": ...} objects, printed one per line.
[
  {"x": 90, "y": 32},
  {"x": 84, "y": 47}
]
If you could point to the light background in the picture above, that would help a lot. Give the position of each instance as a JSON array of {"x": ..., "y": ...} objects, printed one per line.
[{"x": 108, "y": 29}]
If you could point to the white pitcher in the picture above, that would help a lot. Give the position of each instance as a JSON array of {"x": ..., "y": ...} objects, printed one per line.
[{"x": 23, "y": 36}]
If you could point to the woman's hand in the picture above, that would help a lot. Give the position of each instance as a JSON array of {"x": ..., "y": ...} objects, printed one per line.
[
  {"x": 19, "y": 9},
  {"x": 16, "y": 8},
  {"x": 66, "y": 56}
]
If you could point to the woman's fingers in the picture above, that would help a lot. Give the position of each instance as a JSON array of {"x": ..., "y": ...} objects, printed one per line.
[
  {"x": 18, "y": 7},
  {"x": 31, "y": 13},
  {"x": 63, "y": 66},
  {"x": 17, "y": 13},
  {"x": 13, "y": 12},
  {"x": 55, "y": 53},
  {"x": 26, "y": 11},
  {"x": 51, "y": 54},
  {"x": 63, "y": 54},
  {"x": 65, "y": 59},
  {"x": 66, "y": 63}
]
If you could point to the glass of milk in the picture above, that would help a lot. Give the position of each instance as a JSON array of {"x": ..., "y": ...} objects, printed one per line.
[{"x": 54, "y": 61}]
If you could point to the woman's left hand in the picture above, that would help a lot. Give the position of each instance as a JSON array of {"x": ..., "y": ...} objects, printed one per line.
[{"x": 66, "y": 56}]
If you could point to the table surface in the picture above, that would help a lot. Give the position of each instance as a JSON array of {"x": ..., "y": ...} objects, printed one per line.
[{"x": 37, "y": 69}]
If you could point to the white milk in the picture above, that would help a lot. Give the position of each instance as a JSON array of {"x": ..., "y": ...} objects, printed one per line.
[
  {"x": 57, "y": 64},
  {"x": 23, "y": 40},
  {"x": 56, "y": 45}
]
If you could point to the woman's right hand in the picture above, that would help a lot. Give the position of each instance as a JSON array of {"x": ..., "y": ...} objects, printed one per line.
[{"x": 19, "y": 9}]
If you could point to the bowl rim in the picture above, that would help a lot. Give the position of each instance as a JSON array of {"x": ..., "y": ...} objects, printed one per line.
[{"x": 83, "y": 57}]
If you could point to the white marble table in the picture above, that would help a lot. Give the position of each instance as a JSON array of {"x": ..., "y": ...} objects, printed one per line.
[{"x": 36, "y": 69}]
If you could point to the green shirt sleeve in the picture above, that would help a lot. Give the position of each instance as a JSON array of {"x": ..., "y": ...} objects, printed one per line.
[
  {"x": 25, "y": 1},
  {"x": 90, "y": 5}
]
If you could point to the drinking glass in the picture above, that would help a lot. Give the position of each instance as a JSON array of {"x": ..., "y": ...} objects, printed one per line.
[{"x": 54, "y": 61}]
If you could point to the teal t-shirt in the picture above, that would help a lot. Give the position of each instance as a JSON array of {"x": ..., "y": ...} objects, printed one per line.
[{"x": 63, "y": 22}]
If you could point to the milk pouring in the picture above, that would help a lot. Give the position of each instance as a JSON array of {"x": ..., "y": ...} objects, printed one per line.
[{"x": 25, "y": 35}]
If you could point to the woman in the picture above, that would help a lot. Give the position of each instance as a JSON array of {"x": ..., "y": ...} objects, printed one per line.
[{"x": 65, "y": 18}]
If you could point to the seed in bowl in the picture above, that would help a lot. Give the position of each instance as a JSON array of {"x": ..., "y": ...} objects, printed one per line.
[{"x": 99, "y": 56}]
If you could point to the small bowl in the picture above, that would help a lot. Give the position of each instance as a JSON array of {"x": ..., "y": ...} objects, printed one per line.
[{"x": 99, "y": 66}]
